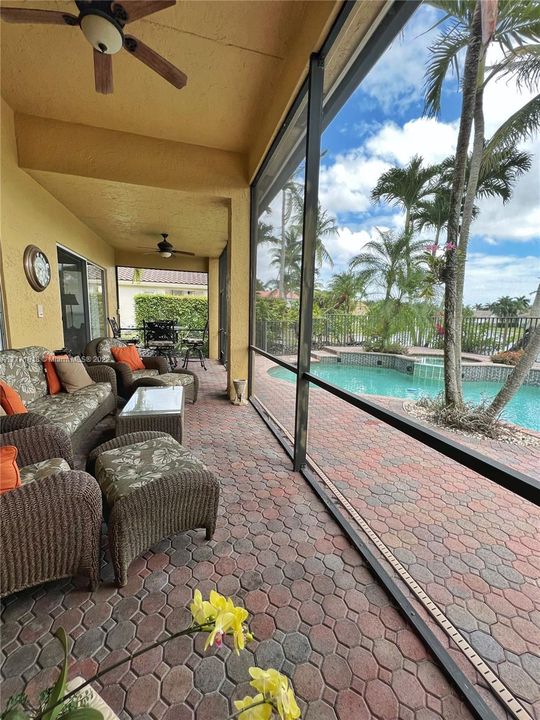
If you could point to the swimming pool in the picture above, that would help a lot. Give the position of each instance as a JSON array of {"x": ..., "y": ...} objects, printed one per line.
[{"x": 523, "y": 409}]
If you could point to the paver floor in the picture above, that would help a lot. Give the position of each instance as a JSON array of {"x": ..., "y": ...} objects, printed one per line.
[
  {"x": 473, "y": 546},
  {"x": 317, "y": 612}
]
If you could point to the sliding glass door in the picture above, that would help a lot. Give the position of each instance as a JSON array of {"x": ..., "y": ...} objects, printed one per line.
[{"x": 82, "y": 300}]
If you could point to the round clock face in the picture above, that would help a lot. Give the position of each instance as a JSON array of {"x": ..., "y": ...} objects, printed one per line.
[
  {"x": 42, "y": 269},
  {"x": 37, "y": 268}
]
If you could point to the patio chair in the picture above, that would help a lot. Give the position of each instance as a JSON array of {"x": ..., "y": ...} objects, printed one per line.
[
  {"x": 156, "y": 370},
  {"x": 161, "y": 337},
  {"x": 195, "y": 342},
  {"x": 117, "y": 331},
  {"x": 50, "y": 526}
]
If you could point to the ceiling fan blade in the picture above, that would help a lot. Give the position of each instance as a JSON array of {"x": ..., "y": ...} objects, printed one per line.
[
  {"x": 137, "y": 9},
  {"x": 182, "y": 252},
  {"x": 45, "y": 17},
  {"x": 103, "y": 72},
  {"x": 154, "y": 61}
]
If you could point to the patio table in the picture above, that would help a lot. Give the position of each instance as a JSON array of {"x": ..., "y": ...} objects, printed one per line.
[{"x": 153, "y": 408}]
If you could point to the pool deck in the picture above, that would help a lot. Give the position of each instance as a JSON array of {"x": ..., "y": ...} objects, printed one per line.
[
  {"x": 318, "y": 613},
  {"x": 414, "y": 351},
  {"x": 471, "y": 545}
]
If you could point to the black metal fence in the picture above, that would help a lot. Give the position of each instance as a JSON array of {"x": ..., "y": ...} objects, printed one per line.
[{"x": 483, "y": 336}]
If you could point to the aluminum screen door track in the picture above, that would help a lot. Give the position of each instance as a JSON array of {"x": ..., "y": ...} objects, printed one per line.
[{"x": 475, "y": 702}]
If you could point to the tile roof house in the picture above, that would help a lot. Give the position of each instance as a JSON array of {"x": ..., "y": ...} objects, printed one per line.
[{"x": 155, "y": 282}]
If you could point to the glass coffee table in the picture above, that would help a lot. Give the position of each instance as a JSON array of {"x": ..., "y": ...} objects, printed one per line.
[{"x": 153, "y": 408}]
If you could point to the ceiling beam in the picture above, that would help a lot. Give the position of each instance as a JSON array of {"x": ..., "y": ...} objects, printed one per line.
[{"x": 73, "y": 149}]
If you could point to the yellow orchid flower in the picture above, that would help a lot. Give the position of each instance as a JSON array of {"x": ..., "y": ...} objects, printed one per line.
[
  {"x": 262, "y": 711},
  {"x": 287, "y": 706},
  {"x": 274, "y": 687},
  {"x": 226, "y": 618},
  {"x": 268, "y": 682},
  {"x": 202, "y": 611},
  {"x": 239, "y": 616}
]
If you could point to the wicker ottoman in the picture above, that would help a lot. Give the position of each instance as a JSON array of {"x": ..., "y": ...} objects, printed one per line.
[{"x": 153, "y": 488}]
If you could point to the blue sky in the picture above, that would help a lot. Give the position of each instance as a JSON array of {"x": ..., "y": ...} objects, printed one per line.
[{"x": 382, "y": 125}]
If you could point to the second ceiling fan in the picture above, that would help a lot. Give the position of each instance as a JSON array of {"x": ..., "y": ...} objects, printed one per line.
[{"x": 102, "y": 23}]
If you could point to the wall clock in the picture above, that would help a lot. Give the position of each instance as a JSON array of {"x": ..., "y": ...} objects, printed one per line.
[{"x": 37, "y": 268}]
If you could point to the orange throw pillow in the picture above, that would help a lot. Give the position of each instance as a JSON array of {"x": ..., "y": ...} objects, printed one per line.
[
  {"x": 10, "y": 399},
  {"x": 53, "y": 381},
  {"x": 10, "y": 476},
  {"x": 129, "y": 355}
]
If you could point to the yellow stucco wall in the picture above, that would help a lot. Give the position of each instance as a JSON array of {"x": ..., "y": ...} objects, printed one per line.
[
  {"x": 238, "y": 257},
  {"x": 30, "y": 215},
  {"x": 213, "y": 308}
]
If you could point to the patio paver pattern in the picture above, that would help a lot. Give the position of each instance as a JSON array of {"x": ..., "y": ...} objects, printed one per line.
[
  {"x": 317, "y": 612},
  {"x": 472, "y": 546}
]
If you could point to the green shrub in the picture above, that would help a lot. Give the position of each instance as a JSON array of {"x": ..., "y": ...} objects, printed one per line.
[
  {"x": 189, "y": 312},
  {"x": 508, "y": 358},
  {"x": 377, "y": 345}
]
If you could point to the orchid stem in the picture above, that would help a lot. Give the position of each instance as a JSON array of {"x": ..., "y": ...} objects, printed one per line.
[{"x": 180, "y": 633}]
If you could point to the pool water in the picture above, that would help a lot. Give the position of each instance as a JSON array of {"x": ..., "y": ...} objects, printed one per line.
[{"x": 523, "y": 409}]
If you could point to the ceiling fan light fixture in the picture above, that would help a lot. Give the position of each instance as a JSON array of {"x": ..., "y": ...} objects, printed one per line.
[
  {"x": 165, "y": 253},
  {"x": 102, "y": 32}
]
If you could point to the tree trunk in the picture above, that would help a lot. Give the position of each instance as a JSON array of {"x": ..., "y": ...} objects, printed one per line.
[
  {"x": 452, "y": 389},
  {"x": 517, "y": 376},
  {"x": 466, "y": 219},
  {"x": 281, "y": 283},
  {"x": 535, "y": 307}
]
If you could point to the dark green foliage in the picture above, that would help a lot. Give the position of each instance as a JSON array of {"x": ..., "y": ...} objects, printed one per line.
[{"x": 189, "y": 312}]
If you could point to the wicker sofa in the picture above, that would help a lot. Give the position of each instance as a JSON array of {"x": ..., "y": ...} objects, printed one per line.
[
  {"x": 50, "y": 526},
  {"x": 156, "y": 370},
  {"x": 77, "y": 413}
]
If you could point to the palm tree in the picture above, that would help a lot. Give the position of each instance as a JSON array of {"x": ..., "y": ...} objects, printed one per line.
[
  {"x": 433, "y": 212},
  {"x": 345, "y": 290},
  {"x": 326, "y": 227},
  {"x": 289, "y": 257},
  {"x": 265, "y": 234},
  {"x": 516, "y": 31},
  {"x": 405, "y": 187},
  {"x": 386, "y": 262}
]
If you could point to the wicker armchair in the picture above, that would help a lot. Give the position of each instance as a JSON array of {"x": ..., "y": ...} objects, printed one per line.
[
  {"x": 49, "y": 528},
  {"x": 128, "y": 381}
]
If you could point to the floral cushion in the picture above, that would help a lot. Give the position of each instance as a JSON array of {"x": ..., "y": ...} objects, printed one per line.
[
  {"x": 175, "y": 379},
  {"x": 138, "y": 374},
  {"x": 70, "y": 410},
  {"x": 125, "y": 469},
  {"x": 103, "y": 349},
  {"x": 33, "y": 359},
  {"x": 43, "y": 469},
  {"x": 14, "y": 372},
  {"x": 23, "y": 370}
]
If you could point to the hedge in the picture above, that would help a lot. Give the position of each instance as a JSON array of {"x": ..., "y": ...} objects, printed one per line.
[{"x": 189, "y": 312}]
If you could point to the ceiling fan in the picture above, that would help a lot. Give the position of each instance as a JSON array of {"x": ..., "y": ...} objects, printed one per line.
[
  {"x": 166, "y": 249},
  {"x": 102, "y": 23}
]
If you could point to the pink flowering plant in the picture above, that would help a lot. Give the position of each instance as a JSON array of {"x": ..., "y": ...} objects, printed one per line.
[
  {"x": 435, "y": 258},
  {"x": 219, "y": 617}
]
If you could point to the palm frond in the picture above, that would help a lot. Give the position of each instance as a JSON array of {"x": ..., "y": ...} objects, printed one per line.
[
  {"x": 524, "y": 123},
  {"x": 522, "y": 65},
  {"x": 443, "y": 59},
  {"x": 497, "y": 179}
]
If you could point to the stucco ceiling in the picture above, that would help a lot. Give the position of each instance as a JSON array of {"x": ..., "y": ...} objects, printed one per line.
[
  {"x": 131, "y": 217},
  {"x": 232, "y": 52}
]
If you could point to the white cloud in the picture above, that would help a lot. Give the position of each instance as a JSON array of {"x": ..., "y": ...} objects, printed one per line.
[
  {"x": 487, "y": 277},
  {"x": 346, "y": 185},
  {"x": 519, "y": 219},
  {"x": 433, "y": 139},
  {"x": 397, "y": 79}
]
